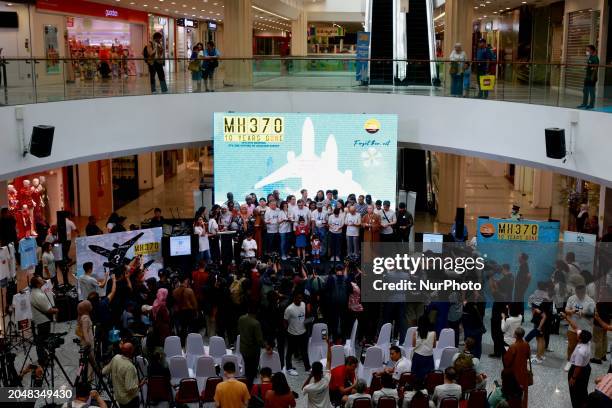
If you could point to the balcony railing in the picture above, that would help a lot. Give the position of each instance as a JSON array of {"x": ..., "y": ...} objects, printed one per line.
[{"x": 37, "y": 80}]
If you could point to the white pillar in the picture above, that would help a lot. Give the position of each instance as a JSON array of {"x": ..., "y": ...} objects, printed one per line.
[
  {"x": 458, "y": 25},
  {"x": 238, "y": 41},
  {"x": 542, "y": 189},
  {"x": 451, "y": 188},
  {"x": 299, "y": 35}
]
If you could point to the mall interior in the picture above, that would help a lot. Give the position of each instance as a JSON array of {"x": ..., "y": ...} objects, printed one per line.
[{"x": 468, "y": 116}]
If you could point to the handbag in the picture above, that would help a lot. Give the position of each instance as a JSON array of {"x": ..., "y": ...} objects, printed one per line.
[
  {"x": 529, "y": 374},
  {"x": 454, "y": 68},
  {"x": 194, "y": 65},
  {"x": 487, "y": 82}
]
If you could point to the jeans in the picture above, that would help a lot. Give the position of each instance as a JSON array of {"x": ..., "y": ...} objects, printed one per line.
[
  {"x": 335, "y": 245},
  {"x": 157, "y": 68},
  {"x": 322, "y": 234},
  {"x": 457, "y": 84},
  {"x": 588, "y": 93},
  {"x": 204, "y": 255},
  {"x": 352, "y": 245},
  {"x": 285, "y": 243},
  {"x": 271, "y": 242}
]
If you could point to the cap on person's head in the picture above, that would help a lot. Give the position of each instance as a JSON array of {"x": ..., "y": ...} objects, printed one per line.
[{"x": 402, "y": 206}]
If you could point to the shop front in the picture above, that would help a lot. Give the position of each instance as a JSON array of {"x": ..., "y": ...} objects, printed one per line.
[
  {"x": 335, "y": 43},
  {"x": 110, "y": 35}
]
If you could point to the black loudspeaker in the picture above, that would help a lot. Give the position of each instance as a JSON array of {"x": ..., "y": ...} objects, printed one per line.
[
  {"x": 555, "y": 143},
  {"x": 42, "y": 140},
  {"x": 459, "y": 223},
  {"x": 61, "y": 226}
]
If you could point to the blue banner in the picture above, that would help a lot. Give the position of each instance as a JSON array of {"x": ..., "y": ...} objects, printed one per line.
[
  {"x": 363, "y": 54},
  {"x": 527, "y": 244}
]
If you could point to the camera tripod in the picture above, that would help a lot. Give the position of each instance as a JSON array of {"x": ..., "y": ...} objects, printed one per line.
[{"x": 97, "y": 382}]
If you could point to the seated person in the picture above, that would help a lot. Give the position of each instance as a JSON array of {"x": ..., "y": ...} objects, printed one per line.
[
  {"x": 85, "y": 397},
  {"x": 259, "y": 390},
  {"x": 388, "y": 389},
  {"x": 360, "y": 392},
  {"x": 343, "y": 380},
  {"x": 399, "y": 365},
  {"x": 157, "y": 366},
  {"x": 410, "y": 392},
  {"x": 461, "y": 362},
  {"x": 449, "y": 389},
  {"x": 510, "y": 390}
]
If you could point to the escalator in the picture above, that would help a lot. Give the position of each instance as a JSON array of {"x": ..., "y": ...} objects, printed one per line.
[
  {"x": 381, "y": 42},
  {"x": 417, "y": 44}
]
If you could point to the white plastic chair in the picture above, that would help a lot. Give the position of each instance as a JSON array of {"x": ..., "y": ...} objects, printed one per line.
[
  {"x": 350, "y": 348},
  {"x": 217, "y": 348},
  {"x": 446, "y": 359},
  {"x": 234, "y": 359},
  {"x": 273, "y": 361},
  {"x": 407, "y": 347},
  {"x": 205, "y": 367},
  {"x": 178, "y": 369},
  {"x": 337, "y": 356},
  {"x": 446, "y": 339},
  {"x": 317, "y": 347},
  {"x": 194, "y": 348},
  {"x": 172, "y": 347},
  {"x": 384, "y": 340},
  {"x": 373, "y": 362}
]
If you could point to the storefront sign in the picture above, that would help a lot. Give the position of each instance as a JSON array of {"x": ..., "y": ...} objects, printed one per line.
[
  {"x": 329, "y": 31},
  {"x": 69, "y": 22},
  {"x": 212, "y": 26},
  {"x": 86, "y": 8},
  {"x": 51, "y": 50},
  {"x": 363, "y": 54},
  {"x": 185, "y": 22}
]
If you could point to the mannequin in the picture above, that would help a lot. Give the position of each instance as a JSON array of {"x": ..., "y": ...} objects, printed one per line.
[
  {"x": 44, "y": 198},
  {"x": 36, "y": 201},
  {"x": 24, "y": 224},
  {"x": 13, "y": 199}
]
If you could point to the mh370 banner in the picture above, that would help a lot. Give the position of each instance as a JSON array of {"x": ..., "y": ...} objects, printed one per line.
[
  {"x": 109, "y": 251},
  {"x": 527, "y": 245},
  {"x": 288, "y": 152}
]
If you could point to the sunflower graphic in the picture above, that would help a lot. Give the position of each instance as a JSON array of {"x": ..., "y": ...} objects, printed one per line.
[{"x": 371, "y": 157}]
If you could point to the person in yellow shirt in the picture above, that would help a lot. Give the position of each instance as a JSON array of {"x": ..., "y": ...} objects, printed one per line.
[{"x": 231, "y": 393}]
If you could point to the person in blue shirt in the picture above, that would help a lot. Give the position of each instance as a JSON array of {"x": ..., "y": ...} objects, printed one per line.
[
  {"x": 483, "y": 58},
  {"x": 211, "y": 62},
  {"x": 590, "y": 79}
]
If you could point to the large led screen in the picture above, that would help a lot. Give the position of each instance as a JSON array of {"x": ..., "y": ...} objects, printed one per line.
[{"x": 262, "y": 152}]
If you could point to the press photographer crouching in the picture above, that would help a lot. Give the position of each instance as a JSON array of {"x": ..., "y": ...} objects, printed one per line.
[{"x": 43, "y": 310}]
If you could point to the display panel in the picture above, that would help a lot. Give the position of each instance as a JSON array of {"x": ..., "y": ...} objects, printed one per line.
[
  {"x": 433, "y": 243},
  {"x": 262, "y": 152},
  {"x": 180, "y": 246}
]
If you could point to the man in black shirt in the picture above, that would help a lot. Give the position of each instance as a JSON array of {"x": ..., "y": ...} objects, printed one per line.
[
  {"x": 158, "y": 219},
  {"x": 404, "y": 223},
  {"x": 92, "y": 228},
  {"x": 501, "y": 290}
]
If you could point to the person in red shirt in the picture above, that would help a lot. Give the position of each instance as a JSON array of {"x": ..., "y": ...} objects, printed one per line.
[
  {"x": 343, "y": 380},
  {"x": 199, "y": 279},
  {"x": 301, "y": 237},
  {"x": 280, "y": 396},
  {"x": 259, "y": 390}
]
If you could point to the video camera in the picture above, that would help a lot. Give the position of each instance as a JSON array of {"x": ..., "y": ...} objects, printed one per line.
[{"x": 54, "y": 340}]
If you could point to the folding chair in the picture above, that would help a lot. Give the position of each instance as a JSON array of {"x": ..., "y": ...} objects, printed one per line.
[
  {"x": 208, "y": 395},
  {"x": 373, "y": 362},
  {"x": 187, "y": 392},
  {"x": 194, "y": 348},
  {"x": 384, "y": 340},
  {"x": 477, "y": 399},
  {"x": 446, "y": 358},
  {"x": 178, "y": 369},
  {"x": 205, "y": 367},
  {"x": 407, "y": 346},
  {"x": 337, "y": 356},
  {"x": 375, "y": 384},
  {"x": 172, "y": 347},
  {"x": 387, "y": 402},
  {"x": 273, "y": 361},
  {"x": 467, "y": 380},
  {"x": 446, "y": 339},
  {"x": 406, "y": 379},
  {"x": 234, "y": 359},
  {"x": 433, "y": 379},
  {"x": 362, "y": 402},
  {"x": 159, "y": 390},
  {"x": 317, "y": 347},
  {"x": 217, "y": 348},
  {"x": 449, "y": 402},
  {"x": 419, "y": 400},
  {"x": 350, "y": 345}
]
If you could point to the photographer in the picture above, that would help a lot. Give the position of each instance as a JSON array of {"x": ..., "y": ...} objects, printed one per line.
[
  {"x": 124, "y": 377},
  {"x": 123, "y": 292},
  {"x": 43, "y": 309},
  {"x": 85, "y": 397}
]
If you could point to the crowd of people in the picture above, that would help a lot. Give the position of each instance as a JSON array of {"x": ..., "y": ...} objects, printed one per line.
[{"x": 268, "y": 269}]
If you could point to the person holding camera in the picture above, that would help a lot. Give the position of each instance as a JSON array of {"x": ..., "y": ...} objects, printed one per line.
[
  {"x": 85, "y": 397},
  {"x": 43, "y": 310},
  {"x": 124, "y": 376}
]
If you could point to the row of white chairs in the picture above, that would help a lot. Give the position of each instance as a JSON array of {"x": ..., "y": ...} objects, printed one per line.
[
  {"x": 445, "y": 340},
  {"x": 194, "y": 348}
]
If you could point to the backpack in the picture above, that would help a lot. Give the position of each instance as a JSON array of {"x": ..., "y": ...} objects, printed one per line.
[
  {"x": 236, "y": 293},
  {"x": 463, "y": 362}
]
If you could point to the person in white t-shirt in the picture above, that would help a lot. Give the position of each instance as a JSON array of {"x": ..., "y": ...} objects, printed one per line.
[
  {"x": 213, "y": 237},
  {"x": 297, "y": 338},
  {"x": 353, "y": 224},
  {"x": 249, "y": 247},
  {"x": 88, "y": 282},
  {"x": 319, "y": 219},
  {"x": 580, "y": 309},
  {"x": 335, "y": 222},
  {"x": 316, "y": 387},
  {"x": 580, "y": 369},
  {"x": 71, "y": 229},
  {"x": 300, "y": 211},
  {"x": 387, "y": 221},
  {"x": 200, "y": 229},
  {"x": 48, "y": 262},
  {"x": 272, "y": 218}
]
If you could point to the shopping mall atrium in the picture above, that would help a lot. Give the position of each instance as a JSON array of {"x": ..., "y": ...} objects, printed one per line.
[{"x": 215, "y": 202}]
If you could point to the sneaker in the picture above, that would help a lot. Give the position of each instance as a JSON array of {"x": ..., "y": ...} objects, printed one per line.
[
  {"x": 568, "y": 365},
  {"x": 581, "y": 106},
  {"x": 590, "y": 107},
  {"x": 536, "y": 360},
  {"x": 292, "y": 372}
]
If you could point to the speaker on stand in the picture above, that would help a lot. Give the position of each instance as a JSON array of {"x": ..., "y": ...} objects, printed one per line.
[
  {"x": 41, "y": 141},
  {"x": 555, "y": 143}
]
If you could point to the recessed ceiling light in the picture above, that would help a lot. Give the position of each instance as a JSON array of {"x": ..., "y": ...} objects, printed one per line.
[{"x": 507, "y": 8}]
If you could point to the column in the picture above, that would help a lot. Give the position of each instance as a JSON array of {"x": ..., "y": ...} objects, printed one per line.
[
  {"x": 458, "y": 25},
  {"x": 3, "y": 194},
  {"x": 542, "y": 189},
  {"x": 299, "y": 35},
  {"x": 238, "y": 40},
  {"x": 605, "y": 209},
  {"x": 451, "y": 186}
]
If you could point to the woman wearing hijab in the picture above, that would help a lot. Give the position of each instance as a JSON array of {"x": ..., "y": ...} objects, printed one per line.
[
  {"x": 161, "y": 315},
  {"x": 84, "y": 331}
]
